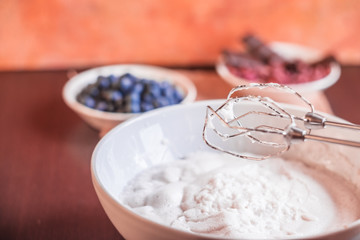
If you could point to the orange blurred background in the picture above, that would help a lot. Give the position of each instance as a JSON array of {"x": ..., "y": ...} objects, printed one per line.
[{"x": 58, "y": 34}]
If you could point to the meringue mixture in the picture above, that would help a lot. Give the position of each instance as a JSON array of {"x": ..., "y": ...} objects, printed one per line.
[{"x": 214, "y": 193}]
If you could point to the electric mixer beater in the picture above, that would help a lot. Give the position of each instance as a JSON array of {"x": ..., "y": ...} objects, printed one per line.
[{"x": 229, "y": 123}]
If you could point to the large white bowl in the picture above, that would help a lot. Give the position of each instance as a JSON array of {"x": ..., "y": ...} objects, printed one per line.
[
  {"x": 104, "y": 121},
  {"x": 289, "y": 51},
  {"x": 175, "y": 132}
]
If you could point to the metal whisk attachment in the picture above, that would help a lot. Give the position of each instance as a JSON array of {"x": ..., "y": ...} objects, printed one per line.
[{"x": 263, "y": 128}]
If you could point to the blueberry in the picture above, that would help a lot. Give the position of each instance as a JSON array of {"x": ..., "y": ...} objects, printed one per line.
[
  {"x": 112, "y": 96},
  {"x": 133, "y": 107},
  {"x": 132, "y": 102},
  {"x": 103, "y": 82},
  {"x": 112, "y": 78},
  {"x": 172, "y": 100},
  {"x": 145, "y": 106},
  {"x": 92, "y": 90},
  {"x": 164, "y": 85},
  {"x": 154, "y": 89},
  {"x": 138, "y": 87},
  {"x": 115, "y": 83},
  {"x": 127, "y": 82},
  {"x": 133, "y": 97},
  {"x": 178, "y": 96},
  {"x": 89, "y": 102},
  {"x": 117, "y": 97},
  {"x": 168, "y": 91},
  {"x": 111, "y": 107},
  {"x": 161, "y": 102},
  {"x": 145, "y": 82},
  {"x": 106, "y": 95},
  {"x": 128, "y": 94},
  {"x": 102, "y": 106},
  {"x": 148, "y": 98}
]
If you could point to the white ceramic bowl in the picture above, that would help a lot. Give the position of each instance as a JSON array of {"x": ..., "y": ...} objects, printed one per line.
[
  {"x": 289, "y": 51},
  {"x": 176, "y": 131},
  {"x": 104, "y": 121}
]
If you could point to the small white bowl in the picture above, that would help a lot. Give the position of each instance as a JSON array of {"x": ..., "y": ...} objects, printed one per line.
[
  {"x": 104, "y": 121},
  {"x": 176, "y": 132},
  {"x": 289, "y": 51}
]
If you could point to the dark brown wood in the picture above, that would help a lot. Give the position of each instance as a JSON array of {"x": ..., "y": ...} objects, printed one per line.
[{"x": 45, "y": 149}]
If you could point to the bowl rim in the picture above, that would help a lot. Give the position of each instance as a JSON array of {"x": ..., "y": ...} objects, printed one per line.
[
  {"x": 182, "y": 81},
  {"x": 316, "y": 85},
  {"x": 218, "y": 102}
]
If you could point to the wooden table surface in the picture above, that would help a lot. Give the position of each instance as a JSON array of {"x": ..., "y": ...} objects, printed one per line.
[{"x": 45, "y": 185}]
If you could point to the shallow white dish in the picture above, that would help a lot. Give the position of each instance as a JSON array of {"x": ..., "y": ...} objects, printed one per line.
[
  {"x": 288, "y": 51},
  {"x": 176, "y": 131},
  {"x": 106, "y": 120}
]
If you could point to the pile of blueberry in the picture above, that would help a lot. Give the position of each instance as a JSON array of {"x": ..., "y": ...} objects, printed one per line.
[{"x": 128, "y": 94}]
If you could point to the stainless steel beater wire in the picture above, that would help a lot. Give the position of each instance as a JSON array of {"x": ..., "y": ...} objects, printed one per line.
[
  {"x": 268, "y": 129},
  {"x": 246, "y": 131},
  {"x": 258, "y": 129},
  {"x": 276, "y": 111},
  {"x": 332, "y": 140},
  {"x": 259, "y": 158},
  {"x": 270, "y": 85},
  {"x": 342, "y": 125},
  {"x": 278, "y": 130},
  {"x": 265, "y": 101},
  {"x": 262, "y": 128},
  {"x": 260, "y": 100},
  {"x": 278, "y": 114},
  {"x": 280, "y": 87}
]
